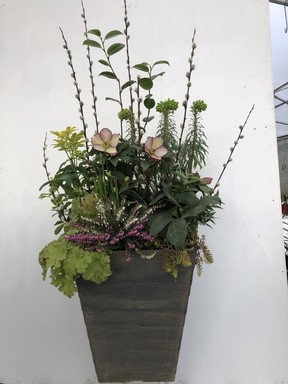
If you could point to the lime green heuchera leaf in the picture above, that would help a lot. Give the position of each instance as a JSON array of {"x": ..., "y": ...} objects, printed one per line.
[
  {"x": 99, "y": 268},
  {"x": 53, "y": 254},
  {"x": 64, "y": 283},
  {"x": 77, "y": 261}
]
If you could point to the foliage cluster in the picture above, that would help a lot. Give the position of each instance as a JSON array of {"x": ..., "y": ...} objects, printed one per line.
[{"x": 128, "y": 191}]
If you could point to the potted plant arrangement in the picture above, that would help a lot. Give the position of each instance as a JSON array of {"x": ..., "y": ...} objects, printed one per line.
[{"x": 128, "y": 207}]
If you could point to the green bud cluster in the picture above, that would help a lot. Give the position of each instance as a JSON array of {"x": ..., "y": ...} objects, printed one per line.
[
  {"x": 125, "y": 114},
  {"x": 169, "y": 105},
  {"x": 198, "y": 106}
]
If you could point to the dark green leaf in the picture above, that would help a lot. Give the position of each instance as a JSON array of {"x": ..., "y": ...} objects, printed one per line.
[
  {"x": 147, "y": 119},
  {"x": 169, "y": 195},
  {"x": 159, "y": 74},
  {"x": 95, "y": 32},
  {"x": 142, "y": 67},
  {"x": 44, "y": 185},
  {"x": 146, "y": 83},
  {"x": 110, "y": 75},
  {"x": 113, "y": 34},
  {"x": 204, "y": 203},
  {"x": 159, "y": 197},
  {"x": 110, "y": 98},
  {"x": 177, "y": 233},
  {"x": 149, "y": 103},
  {"x": 159, "y": 222},
  {"x": 114, "y": 48},
  {"x": 161, "y": 62},
  {"x": 59, "y": 228},
  {"x": 114, "y": 160},
  {"x": 92, "y": 43},
  {"x": 188, "y": 198},
  {"x": 135, "y": 196},
  {"x": 127, "y": 84},
  {"x": 104, "y": 62},
  {"x": 145, "y": 165}
]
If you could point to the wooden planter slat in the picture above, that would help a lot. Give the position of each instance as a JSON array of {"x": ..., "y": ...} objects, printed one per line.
[{"x": 135, "y": 319}]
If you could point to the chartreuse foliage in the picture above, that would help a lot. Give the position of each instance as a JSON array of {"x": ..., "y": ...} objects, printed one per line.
[{"x": 68, "y": 261}]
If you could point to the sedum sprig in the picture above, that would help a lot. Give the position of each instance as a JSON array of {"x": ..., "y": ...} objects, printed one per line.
[{"x": 194, "y": 151}]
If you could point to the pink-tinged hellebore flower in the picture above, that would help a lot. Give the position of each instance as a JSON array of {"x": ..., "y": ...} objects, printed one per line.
[
  {"x": 155, "y": 148},
  {"x": 206, "y": 180},
  {"x": 105, "y": 141}
]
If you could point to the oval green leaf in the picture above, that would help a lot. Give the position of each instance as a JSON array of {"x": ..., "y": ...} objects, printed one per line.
[
  {"x": 158, "y": 74},
  {"x": 142, "y": 67},
  {"x": 114, "y": 48},
  {"x": 104, "y": 62},
  {"x": 146, "y": 83},
  {"x": 109, "y": 75},
  {"x": 112, "y": 34},
  {"x": 149, "y": 103},
  {"x": 161, "y": 62},
  {"x": 92, "y": 43},
  {"x": 127, "y": 84},
  {"x": 95, "y": 32},
  {"x": 147, "y": 119}
]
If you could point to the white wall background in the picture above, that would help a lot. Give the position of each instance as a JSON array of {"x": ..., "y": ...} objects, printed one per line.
[{"x": 237, "y": 325}]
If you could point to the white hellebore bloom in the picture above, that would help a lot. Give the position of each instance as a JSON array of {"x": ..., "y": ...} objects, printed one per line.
[
  {"x": 155, "y": 148},
  {"x": 105, "y": 141}
]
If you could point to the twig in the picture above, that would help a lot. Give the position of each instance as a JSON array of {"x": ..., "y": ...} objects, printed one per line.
[
  {"x": 78, "y": 92},
  {"x": 232, "y": 149},
  {"x": 185, "y": 102},
  {"x": 90, "y": 62}
]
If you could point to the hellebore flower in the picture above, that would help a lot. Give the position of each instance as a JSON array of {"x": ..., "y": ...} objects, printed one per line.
[
  {"x": 155, "y": 148},
  {"x": 105, "y": 141},
  {"x": 206, "y": 180}
]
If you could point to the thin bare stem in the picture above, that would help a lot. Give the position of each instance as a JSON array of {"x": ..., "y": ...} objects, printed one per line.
[
  {"x": 90, "y": 65},
  {"x": 232, "y": 149}
]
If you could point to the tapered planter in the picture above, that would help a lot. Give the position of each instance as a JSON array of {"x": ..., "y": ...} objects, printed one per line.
[{"x": 135, "y": 319}]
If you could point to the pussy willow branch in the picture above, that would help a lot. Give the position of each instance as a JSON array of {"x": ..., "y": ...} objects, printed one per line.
[
  {"x": 232, "y": 149},
  {"x": 78, "y": 92},
  {"x": 90, "y": 65},
  {"x": 185, "y": 102},
  {"x": 127, "y": 37},
  {"x": 60, "y": 210}
]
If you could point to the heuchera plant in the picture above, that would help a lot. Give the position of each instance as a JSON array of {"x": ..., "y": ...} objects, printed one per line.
[{"x": 123, "y": 189}]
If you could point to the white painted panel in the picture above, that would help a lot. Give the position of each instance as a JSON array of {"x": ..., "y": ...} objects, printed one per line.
[{"x": 237, "y": 325}]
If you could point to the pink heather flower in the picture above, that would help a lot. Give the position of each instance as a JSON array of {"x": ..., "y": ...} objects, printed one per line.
[
  {"x": 206, "y": 180},
  {"x": 155, "y": 148},
  {"x": 105, "y": 141}
]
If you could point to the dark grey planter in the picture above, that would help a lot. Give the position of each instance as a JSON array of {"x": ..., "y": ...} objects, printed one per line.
[{"x": 135, "y": 319}]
